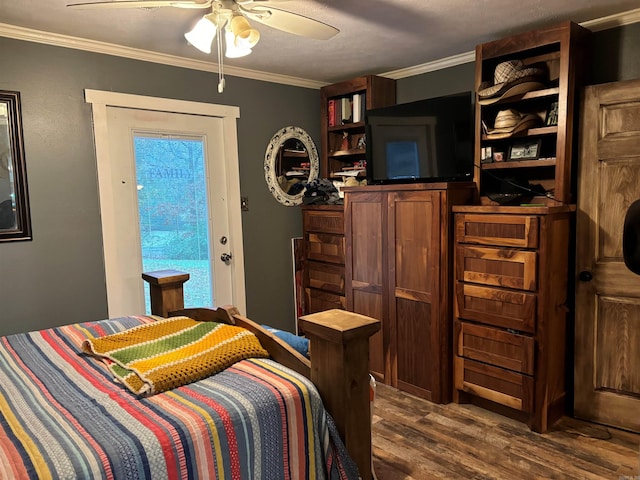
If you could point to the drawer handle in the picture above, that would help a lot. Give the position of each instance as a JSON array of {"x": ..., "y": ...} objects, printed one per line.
[{"x": 585, "y": 276}]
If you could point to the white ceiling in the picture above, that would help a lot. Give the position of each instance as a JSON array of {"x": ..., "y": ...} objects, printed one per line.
[{"x": 394, "y": 38}]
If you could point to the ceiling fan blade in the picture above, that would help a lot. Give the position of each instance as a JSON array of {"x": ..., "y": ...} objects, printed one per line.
[
  {"x": 290, "y": 22},
  {"x": 143, "y": 4}
]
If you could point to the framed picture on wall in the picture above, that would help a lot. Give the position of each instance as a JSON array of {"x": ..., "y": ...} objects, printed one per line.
[{"x": 15, "y": 218}]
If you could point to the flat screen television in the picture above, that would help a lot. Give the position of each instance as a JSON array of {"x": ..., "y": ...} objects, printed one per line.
[{"x": 424, "y": 141}]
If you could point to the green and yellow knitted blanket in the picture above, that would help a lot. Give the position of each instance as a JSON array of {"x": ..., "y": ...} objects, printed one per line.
[{"x": 162, "y": 355}]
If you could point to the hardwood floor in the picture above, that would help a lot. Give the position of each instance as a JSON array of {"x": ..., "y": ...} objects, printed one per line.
[{"x": 416, "y": 439}]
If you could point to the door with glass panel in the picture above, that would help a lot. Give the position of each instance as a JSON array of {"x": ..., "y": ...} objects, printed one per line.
[
  {"x": 173, "y": 211},
  {"x": 165, "y": 204}
]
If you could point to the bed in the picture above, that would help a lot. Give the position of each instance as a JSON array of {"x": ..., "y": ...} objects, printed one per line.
[{"x": 275, "y": 416}]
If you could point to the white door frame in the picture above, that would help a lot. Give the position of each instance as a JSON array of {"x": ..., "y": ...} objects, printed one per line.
[{"x": 100, "y": 101}]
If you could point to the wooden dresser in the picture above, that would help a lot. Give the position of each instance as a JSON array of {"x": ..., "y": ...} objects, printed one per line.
[
  {"x": 323, "y": 267},
  {"x": 510, "y": 324}
]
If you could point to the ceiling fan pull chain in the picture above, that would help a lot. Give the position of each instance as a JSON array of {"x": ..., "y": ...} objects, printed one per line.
[{"x": 220, "y": 60}]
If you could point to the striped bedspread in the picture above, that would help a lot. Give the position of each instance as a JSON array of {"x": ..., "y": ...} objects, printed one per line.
[{"x": 63, "y": 417}]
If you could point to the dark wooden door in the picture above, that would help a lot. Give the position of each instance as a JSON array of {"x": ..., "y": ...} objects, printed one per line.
[
  {"x": 607, "y": 343},
  {"x": 365, "y": 215},
  {"x": 413, "y": 263}
]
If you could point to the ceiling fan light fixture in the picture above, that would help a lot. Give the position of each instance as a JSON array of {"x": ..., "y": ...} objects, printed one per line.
[
  {"x": 233, "y": 50},
  {"x": 244, "y": 35},
  {"x": 202, "y": 35}
]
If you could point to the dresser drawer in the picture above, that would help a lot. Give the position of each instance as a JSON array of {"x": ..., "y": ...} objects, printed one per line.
[
  {"x": 324, "y": 221},
  {"x": 502, "y": 267},
  {"x": 325, "y": 247},
  {"x": 325, "y": 276},
  {"x": 494, "y": 346},
  {"x": 498, "y": 307},
  {"x": 505, "y": 387},
  {"x": 319, "y": 300},
  {"x": 500, "y": 230}
]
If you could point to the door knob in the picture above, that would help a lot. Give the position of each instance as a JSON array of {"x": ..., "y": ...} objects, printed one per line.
[
  {"x": 585, "y": 276},
  {"x": 226, "y": 258}
]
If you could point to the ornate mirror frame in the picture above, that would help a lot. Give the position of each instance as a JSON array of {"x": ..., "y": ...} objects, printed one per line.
[
  {"x": 271, "y": 163},
  {"x": 15, "y": 219}
]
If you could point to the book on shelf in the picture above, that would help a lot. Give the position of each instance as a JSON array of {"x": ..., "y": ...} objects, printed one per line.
[
  {"x": 337, "y": 112},
  {"x": 350, "y": 173},
  {"x": 358, "y": 107},
  {"x": 331, "y": 112},
  {"x": 345, "y": 110}
]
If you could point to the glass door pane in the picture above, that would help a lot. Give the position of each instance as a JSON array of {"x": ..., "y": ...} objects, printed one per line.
[{"x": 173, "y": 211}]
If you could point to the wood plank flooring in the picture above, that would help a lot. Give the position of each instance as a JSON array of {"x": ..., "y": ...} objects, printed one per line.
[{"x": 417, "y": 439}]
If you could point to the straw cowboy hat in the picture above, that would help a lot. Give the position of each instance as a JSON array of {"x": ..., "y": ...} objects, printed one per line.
[
  {"x": 631, "y": 238},
  {"x": 512, "y": 78},
  {"x": 509, "y": 122}
]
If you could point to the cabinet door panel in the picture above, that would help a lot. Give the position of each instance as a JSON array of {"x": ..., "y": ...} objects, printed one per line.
[
  {"x": 417, "y": 363},
  {"x": 502, "y": 308},
  {"x": 415, "y": 246},
  {"x": 422, "y": 347},
  {"x": 502, "y": 267},
  {"x": 370, "y": 304},
  {"x": 364, "y": 216},
  {"x": 366, "y": 242}
]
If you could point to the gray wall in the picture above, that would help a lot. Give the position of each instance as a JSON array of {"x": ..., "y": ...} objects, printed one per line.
[
  {"x": 434, "y": 84},
  {"x": 615, "y": 54},
  {"x": 58, "y": 277}
]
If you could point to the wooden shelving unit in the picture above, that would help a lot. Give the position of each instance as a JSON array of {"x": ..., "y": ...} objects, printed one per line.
[
  {"x": 512, "y": 262},
  {"x": 342, "y": 138},
  {"x": 561, "y": 49}
]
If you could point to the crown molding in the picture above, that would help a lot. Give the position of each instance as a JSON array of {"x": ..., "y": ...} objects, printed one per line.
[
  {"x": 20, "y": 33},
  {"x": 599, "y": 24},
  {"x": 440, "y": 64},
  {"x": 612, "y": 21},
  {"x": 54, "y": 39}
]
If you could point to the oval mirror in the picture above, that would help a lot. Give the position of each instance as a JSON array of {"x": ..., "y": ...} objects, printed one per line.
[{"x": 290, "y": 162}]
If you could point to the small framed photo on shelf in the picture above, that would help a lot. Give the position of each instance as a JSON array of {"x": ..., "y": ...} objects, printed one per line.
[
  {"x": 525, "y": 151},
  {"x": 345, "y": 141},
  {"x": 552, "y": 115},
  {"x": 486, "y": 155}
]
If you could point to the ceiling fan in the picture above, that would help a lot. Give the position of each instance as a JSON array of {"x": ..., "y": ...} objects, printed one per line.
[{"x": 229, "y": 18}]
